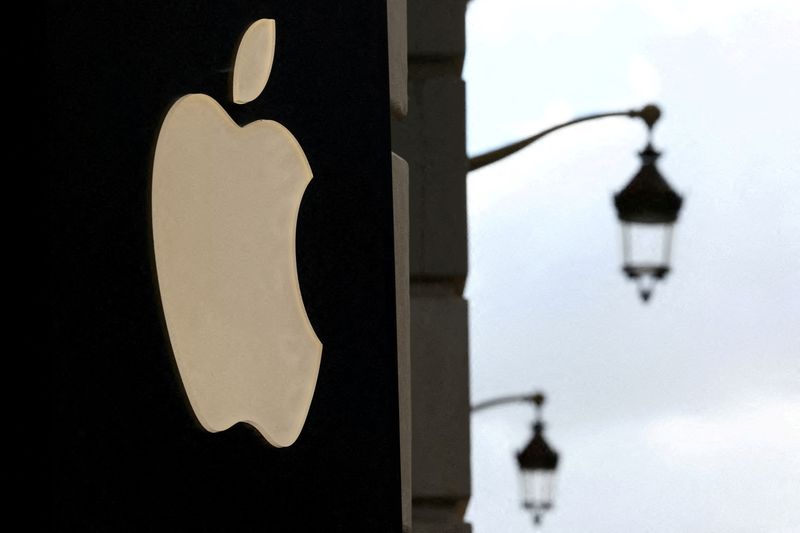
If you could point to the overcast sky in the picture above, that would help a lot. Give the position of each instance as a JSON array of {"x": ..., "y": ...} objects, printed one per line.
[{"x": 682, "y": 415}]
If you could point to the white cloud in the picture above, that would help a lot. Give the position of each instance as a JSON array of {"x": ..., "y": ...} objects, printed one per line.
[
  {"x": 496, "y": 22},
  {"x": 717, "y": 17},
  {"x": 644, "y": 79},
  {"x": 755, "y": 427}
]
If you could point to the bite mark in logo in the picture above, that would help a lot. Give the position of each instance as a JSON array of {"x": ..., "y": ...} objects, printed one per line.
[{"x": 225, "y": 202}]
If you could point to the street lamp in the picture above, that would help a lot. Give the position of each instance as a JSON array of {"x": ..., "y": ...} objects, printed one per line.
[
  {"x": 537, "y": 466},
  {"x": 647, "y": 207},
  {"x": 537, "y": 460}
]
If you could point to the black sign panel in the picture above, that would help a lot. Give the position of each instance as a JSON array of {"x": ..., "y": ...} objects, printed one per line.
[{"x": 128, "y": 452}]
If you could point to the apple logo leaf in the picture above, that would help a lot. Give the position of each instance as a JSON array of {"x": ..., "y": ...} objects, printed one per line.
[{"x": 253, "y": 61}]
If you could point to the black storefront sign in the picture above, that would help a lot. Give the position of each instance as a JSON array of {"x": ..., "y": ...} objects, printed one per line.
[{"x": 128, "y": 452}]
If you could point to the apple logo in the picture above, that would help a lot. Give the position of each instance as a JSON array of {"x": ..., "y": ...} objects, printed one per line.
[{"x": 225, "y": 202}]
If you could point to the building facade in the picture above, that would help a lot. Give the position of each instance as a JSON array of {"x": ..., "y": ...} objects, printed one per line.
[{"x": 432, "y": 139}]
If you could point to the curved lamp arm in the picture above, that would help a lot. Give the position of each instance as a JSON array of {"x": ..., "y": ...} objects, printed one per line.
[
  {"x": 648, "y": 113},
  {"x": 536, "y": 398}
]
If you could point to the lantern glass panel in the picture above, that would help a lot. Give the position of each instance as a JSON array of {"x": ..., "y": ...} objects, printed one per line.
[
  {"x": 537, "y": 489},
  {"x": 646, "y": 247}
]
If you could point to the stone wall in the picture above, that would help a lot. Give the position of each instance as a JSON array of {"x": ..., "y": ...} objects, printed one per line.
[{"x": 431, "y": 138}]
